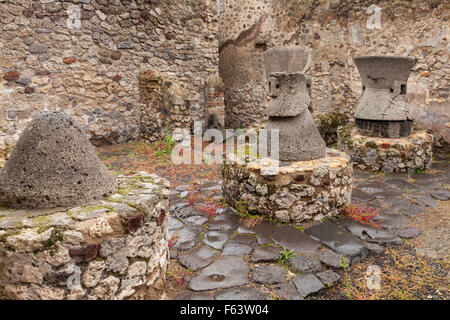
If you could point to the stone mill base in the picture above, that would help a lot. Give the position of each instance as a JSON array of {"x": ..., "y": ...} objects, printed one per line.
[
  {"x": 400, "y": 155},
  {"x": 111, "y": 249},
  {"x": 290, "y": 192}
]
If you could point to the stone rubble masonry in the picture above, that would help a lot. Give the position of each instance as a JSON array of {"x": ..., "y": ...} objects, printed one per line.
[
  {"x": 93, "y": 72},
  {"x": 295, "y": 191},
  {"x": 400, "y": 155},
  {"x": 335, "y": 31},
  {"x": 89, "y": 247}
]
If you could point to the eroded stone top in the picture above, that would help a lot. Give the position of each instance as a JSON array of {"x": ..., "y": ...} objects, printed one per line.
[{"x": 53, "y": 165}]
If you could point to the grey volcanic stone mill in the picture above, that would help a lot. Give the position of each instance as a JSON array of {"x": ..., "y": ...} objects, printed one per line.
[
  {"x": 53, "y": 165},
  {"x": 383, "y": 110},
  {"x": 288, "y": 112}
]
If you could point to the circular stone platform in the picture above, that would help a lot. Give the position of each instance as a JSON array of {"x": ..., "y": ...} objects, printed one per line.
[
  {"x": 111, "y": 249},
  {"x": 400, "y": 155},
  {"x": 291, "y": 192}
]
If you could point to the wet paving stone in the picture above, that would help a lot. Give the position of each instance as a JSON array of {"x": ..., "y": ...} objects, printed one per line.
[
  {"x": 187, "y": 239},
  {"x": 378, "y": 189},
  {"x": 359, "y": 196},
  {"x": 307, "y": 284},
  {"x": 174, "y": 224},
  {"x": 265, "y": 254},
  {"x": 225, "y": 221},
  {"x": 442, "y": 195},
  {"x": 198, "y": 258},
  {"x": 425, "y": 179},
  {"x": 422, "y": 200},
  {"x": 369, "y": 233},
  {"x": 225, "y": 272},
  {"x": 196, "y": 220},
  {"x": 390, "y": 220},
  {"x": 242, "y": 293},
  {"x": 338, "y": 239},
  {"x": 269, "y": 274},
  {"x": 287, "y": 291},
  {"x": 186, "y": 212},
  {"x": 402, "y": 184},
  {"x": 265, "y": 229},
  {"x": 329, "y": 278},
  {"x": 216, "y": 239},
  {"x": 244, "y": 238},
  {"x": 177, "y": 204},
  {"x": 404, "y": 206},
  {"x": 408, "y": 233},
  {"x": 293, "y": 239},
  {"x": 304, "y": 264},
  {"x": 332, "y": 259},
  {"x": 236, "y": 249}
]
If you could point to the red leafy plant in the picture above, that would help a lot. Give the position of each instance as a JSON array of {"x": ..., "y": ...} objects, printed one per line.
[
  {"x": 362, "y": 214},
  {"x": 178, "y": 273},
  {"x": 210, "y": 209},
  {"x": 173, "y": 241}
]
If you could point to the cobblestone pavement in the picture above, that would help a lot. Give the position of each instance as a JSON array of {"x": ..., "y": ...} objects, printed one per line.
[{"x": 229, "y": 260}]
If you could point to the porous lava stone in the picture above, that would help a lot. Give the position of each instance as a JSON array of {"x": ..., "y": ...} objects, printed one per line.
[{"x": 53, "y": 165}]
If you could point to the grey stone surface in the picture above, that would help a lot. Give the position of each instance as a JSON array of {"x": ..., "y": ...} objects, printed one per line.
[
  {"x": 374, "y": 247},
  {"x": 390, "y": 220},
  {"x": 328, "y": 277},
  {"x": 287, "y": 291},
  {"x": 187, "y": 211},
  {"x": 224, "y": 221},
  {"x": 196, "y": 220},
  {"x": 331, "y": 258},
  {"x": 299, "y": 139},
  {"x": 384, "y": 99},
  {"x": 236, "y": 249},
  {"x": 292, "y": 59},
  {"x": 307, "y": 284},
  {"x": 408, "y": 233},
  {"x": 265, "y": 254},
  {"x": 225, "y": 272},
  {"x": 174, "y": 224},
  {"x": 290, "y": 238},
  {"x": 241, "y": 293},
  {"x": 362, "y": 197},
  {"x": 369, "y": 233},
  {"x": 403, "y": 206},
  {"x": 423, "y": 200},
  {"x": 53, "y": 165},
  {"x": 197, "y": 258},
  {"x": 216, "y": 239},
  {"x": 269, "y": 274},
  {"x": 442, "y": 195},
  {"x": 338, "y": 239},
  {"x": 304, "y": 264},
  {"x": 187, "y": 238}
]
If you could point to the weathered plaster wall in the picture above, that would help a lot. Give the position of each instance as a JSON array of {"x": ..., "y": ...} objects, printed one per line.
[
  {"x": 92, "y": 72},
  {"x": 335, "y": 31}
]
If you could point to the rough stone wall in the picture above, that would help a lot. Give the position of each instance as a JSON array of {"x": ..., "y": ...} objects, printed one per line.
[
  {"x": 109, "y": 250},
  {"x": 335, "y": 31},
  {"x": 92, "y": 72}
]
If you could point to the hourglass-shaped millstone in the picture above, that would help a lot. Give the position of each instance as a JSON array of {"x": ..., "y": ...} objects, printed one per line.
[
  {"x": 288, "y": 112},
  {"x": 383, "y": 110}
]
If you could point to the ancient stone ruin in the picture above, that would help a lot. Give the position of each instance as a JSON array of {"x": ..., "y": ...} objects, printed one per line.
[
  {"x": 288, "y": 112},
  {"x": 308, "y": 181},
  {"x": 384, "y": 138},
  {"x": 69, "y": 229},
  {"x": 53, "y": 165},
  {"x": 383, "y": 110}
]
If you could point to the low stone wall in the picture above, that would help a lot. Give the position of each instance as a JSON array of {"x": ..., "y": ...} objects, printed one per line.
[
  {"x": 113, "y": 249},
  {"x": 292, "y": 192},
  {"x": 389, "y": 155}
]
